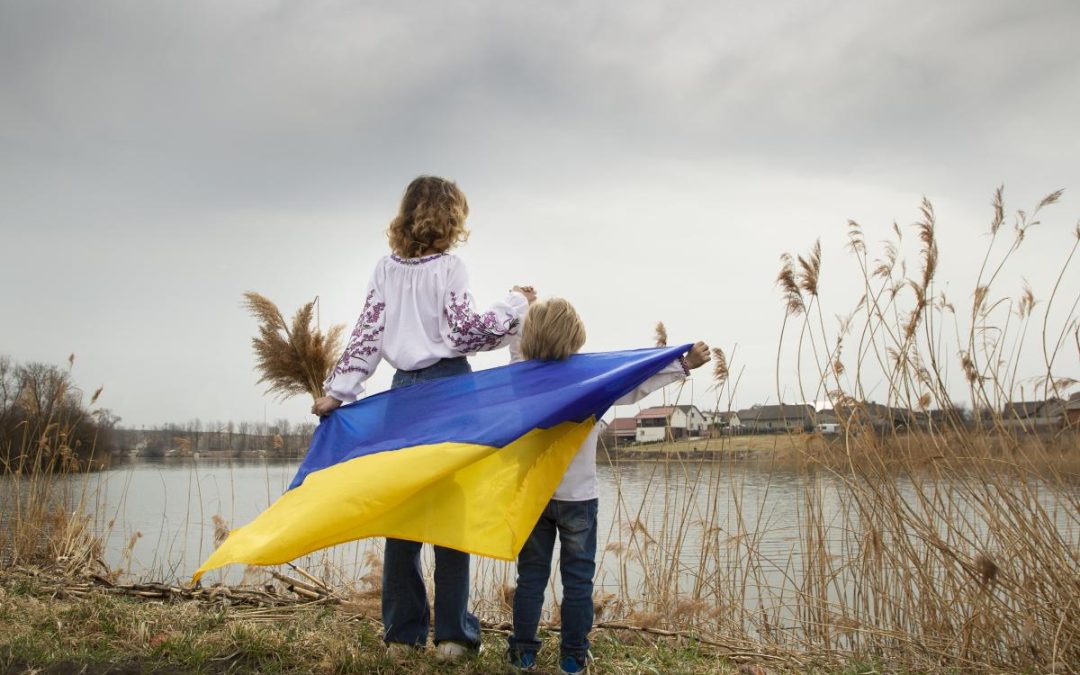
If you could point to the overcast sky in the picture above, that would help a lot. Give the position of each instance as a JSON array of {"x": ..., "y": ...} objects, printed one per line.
[{"x": 647, "y": 161}]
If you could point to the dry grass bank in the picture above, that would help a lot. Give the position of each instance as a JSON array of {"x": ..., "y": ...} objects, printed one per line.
[
  {"x": 44, "y": 630},
  {"x": 749, "y": 446}
]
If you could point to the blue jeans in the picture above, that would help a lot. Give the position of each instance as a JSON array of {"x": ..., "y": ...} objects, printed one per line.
[
  {"x": 405, "y": 614},
  {"x": 575, "y": 524}
]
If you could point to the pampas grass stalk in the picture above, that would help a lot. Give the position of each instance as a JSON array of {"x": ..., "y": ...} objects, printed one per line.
[{"x": 292, "y": 357}]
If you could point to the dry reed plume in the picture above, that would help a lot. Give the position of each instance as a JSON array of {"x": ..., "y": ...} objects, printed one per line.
[
  {"x": 720, "y": 367},
  {"x": 958, "y": 544},
  {"x": 292, "y": 357},
  {"x": 661, "y": 334}
]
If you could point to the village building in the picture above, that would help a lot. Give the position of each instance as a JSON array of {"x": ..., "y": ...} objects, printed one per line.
[
  {"x": 722, "y": 422},
  {"x": 669, "y": 422},
  {"x": 1031, "y": 415},
  {"x": 777, "y": 418},
  {"x": 877, "y": 416},
  {"x": 623, "y": 430},
  {"x": 827, "y": 422},
  {"x": 1072, "y": 412}
]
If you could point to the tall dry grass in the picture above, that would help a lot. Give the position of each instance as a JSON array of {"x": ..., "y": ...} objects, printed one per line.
[
  {"x": 48, "y": 435},
  {"x": 950, "y": 541}
]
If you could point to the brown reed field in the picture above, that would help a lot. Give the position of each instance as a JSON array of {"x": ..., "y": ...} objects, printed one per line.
[
  {"x": 46, "y": 431},
  {"x": 947, "y": 543},
  {"x": 950, "y": 542}
]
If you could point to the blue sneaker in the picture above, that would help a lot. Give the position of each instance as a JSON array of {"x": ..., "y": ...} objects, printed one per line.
[
  {"x": 524, "y": 662},
  {"x": 570, "y": 664}
]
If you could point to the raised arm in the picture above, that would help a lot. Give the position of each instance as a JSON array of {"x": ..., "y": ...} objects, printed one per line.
[
  {"x": 364, "y": 351},
  {"x": 467, "y": 330},
  {"x": 676, "y": 371}
]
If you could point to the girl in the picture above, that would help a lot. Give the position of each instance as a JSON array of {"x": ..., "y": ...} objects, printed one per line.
[{"x": 420, "y": 317}]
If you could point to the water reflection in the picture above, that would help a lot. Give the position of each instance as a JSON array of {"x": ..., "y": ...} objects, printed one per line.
[
  {"x": 648, "y": 510},
  {"x": 689, "y": 526}
]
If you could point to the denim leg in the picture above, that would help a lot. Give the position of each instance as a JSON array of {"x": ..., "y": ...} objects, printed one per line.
[
  {"x": 405, "y": 611},
  {"x": 406, "y": 617},
  {"x": 452, "y": 618},
  {"x": 533, "y": 571},
  {"x": 577, "y": 563},
  {"x": 402, "y": 378}
]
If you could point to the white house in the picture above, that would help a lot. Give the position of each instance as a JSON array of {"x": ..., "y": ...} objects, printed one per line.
[
  {"x": 723, "y": 421},
  {"x": 669, "y": 422}
]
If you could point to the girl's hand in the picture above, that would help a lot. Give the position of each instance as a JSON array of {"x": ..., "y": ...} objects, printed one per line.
[
  {"x": 324, "y": 406},
  {"x": 528, "y": 291},
  {"x": 697, "y": 356}
]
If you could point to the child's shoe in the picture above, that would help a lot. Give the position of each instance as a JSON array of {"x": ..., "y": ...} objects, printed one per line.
[
  {"x": 570, "y": 664},
  {"x": 524, "y": 662},
  {"x": 448, "y": 650}
]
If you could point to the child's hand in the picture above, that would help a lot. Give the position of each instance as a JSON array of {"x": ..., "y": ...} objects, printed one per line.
[
  {"x": 324, "y": 406},
  {"x": 528, "y": 291},
  {"x": 697, "y": 356}
]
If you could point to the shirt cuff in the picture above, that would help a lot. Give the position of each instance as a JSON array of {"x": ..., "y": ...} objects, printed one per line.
[
  {"x": 342, "y": 395},
  {"x": 518, "y": 302}
]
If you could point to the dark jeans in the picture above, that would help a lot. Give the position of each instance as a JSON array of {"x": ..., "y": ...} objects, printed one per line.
[
  {"x": 575, "y": 523},
  {"x": 405, "y": 612}
]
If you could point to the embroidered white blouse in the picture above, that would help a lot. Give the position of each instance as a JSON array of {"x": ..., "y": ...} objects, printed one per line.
[
  {"x": 417, "y": 311},
  {"x": 579, "y": 482}
]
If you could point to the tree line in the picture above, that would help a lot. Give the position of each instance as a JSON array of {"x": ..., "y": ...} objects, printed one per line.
[
  {"x": 280, "y": 438},
  {"x": 46, "y": 422}
]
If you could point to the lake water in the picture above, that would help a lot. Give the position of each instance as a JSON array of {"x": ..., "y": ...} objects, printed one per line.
[
  {"x": 166, "y": 507},
  {"x": 684, "y": 525}
]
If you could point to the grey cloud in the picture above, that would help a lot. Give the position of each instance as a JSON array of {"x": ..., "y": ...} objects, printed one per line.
[
  {"x": 192, "y": 149},
  {"x": 189, "y": 98}
]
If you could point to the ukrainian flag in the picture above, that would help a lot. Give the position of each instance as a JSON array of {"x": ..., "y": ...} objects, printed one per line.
[{"x": 466, "y": 462}]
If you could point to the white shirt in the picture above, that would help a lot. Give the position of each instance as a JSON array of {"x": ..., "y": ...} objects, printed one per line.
[
  {"x": 579, "y": 482},
  {"x": 416, "y": 312}
]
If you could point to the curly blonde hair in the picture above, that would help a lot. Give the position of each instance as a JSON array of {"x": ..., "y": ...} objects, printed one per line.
[
  {"x": 431, "y": 218},
  {"x": 552, "y": 331}
]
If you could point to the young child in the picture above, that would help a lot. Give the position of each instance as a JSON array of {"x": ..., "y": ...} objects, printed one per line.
[
  {"x": 419, "y": 317},
  {"x": 553, "y": 331}
]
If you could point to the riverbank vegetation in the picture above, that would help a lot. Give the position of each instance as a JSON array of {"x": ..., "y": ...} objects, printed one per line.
[
  {"x": 47, "y": 431},
  {"x": 951, "y": 546},
  {"x": 948, "y": 545},
  {"x": 46, "y": 423},
  {"x": 54, "y": 629}
]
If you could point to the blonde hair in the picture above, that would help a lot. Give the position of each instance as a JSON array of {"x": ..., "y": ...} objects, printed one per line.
[
  {"x": 431, "y": 218},
  {"x": 552, "y": 331}
]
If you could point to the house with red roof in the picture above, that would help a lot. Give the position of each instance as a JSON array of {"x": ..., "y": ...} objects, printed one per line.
[
  {"x": 669, "y": 422},
  {"x": 623, "y": 429}
]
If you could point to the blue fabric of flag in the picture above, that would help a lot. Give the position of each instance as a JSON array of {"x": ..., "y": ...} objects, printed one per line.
[{"x": 490, "y": 407}]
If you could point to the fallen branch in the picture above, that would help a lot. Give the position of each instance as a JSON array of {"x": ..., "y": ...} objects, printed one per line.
[
  {"x": 303, "y": 589},
  {"x": 266, "y": 597}
]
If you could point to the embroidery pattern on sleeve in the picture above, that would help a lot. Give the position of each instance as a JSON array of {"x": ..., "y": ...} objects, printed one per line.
[
  {"x": 473, "y": 332},
  {"x": 364, "y": 340}
]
